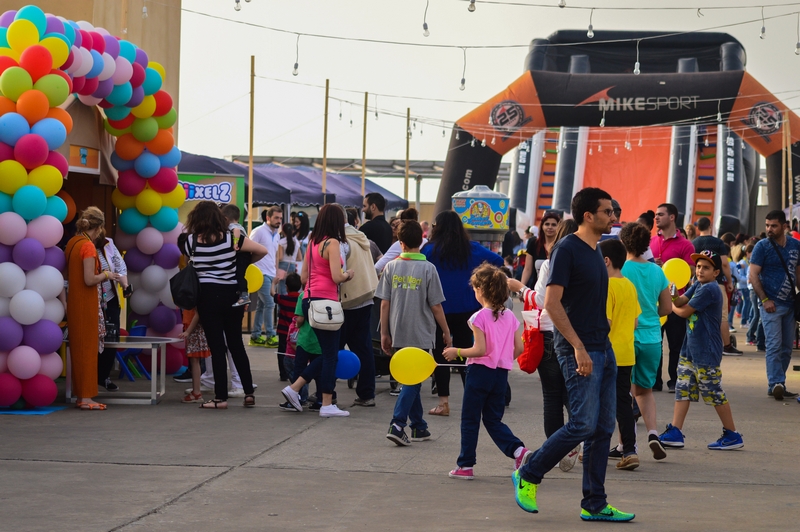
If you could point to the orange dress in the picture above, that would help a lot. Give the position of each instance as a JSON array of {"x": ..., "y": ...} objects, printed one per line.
[
  {"x": 196, "y": 344},
  {"x": 83, "y": 307}
]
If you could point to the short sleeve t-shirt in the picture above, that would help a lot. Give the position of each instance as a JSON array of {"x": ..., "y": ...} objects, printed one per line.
[
  {"x": 649, "y": 281},
  {"x": 622, "y": 308},
  {"x": 538, "y": 257},
  {"x": 773, "y": 277},
  {"x": 703, "y": 343},
  {"x": 712, "y": 243},
  {"x": 499, "y": 336},
  {"x": 413, "y": 287},
  {"x": 580, "y": 269}
]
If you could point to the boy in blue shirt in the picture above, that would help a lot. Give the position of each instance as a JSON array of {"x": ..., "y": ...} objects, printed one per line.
[{"x": 698, "y": 367}]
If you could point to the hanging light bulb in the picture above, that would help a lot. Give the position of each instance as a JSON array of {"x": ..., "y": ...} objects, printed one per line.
[
  {"x": 471, "y": 6},
  {"x": 705, "y": 142},
  {"x": 294, "y": 70},
  {"x": 797, "y": 48},
  {"x": 562, "y": 3},
  {"x": 458, "y": 137},
  {"x": 758, "y": 122},
  {"x": 425, "y": 32},
  {"x": 296, "y": 55},
  {"x": 590, "y": 33},
  {"x": 472, "y": 142},
  {"x": 544, "y": 154},
  {"x": 493, "y": 142},
  {"x": 719, "y": 116},
  {"x": 483, "y": 143},
  {"x": 680, "y": 162},
  {"x": 463, "y": 84},
  {"x": 636, "y": 69},
  {"x": 599, "y": 148},
  {"x": 640, "y": 143},
  {"x": 590, "y": 151},
  {"x": 351, "y": 120},
  {"x": 414, "y": 124},
  {"x": 603, "y": 121},
  {"x": 144, "y": 11},
  {"x": 763, "y": 25},
  {"x": 443, "y": 133},
  {"x": 237, "y": 6},
  {"x": 616, "y": 150},
  {"x": 627, "y": 145}
]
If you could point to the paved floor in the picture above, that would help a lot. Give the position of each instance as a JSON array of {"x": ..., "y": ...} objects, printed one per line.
[{"x": 175, "y": 467}]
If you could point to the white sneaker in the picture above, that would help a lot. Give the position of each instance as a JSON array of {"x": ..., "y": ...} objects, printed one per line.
[
  {"x": 332, "y": 411},
  {"x": 568, "y": 462},
  {"x": 293, "y": 397},
  {"x": 203, "y": 388},
  {"x": 236, "y": 392}
]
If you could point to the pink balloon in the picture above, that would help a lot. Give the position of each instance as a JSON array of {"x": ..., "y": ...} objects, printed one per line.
[
  {"x": 10, "y": 389},
  {"x": 24, "y": 362},
  {"x": 46, "y": 229},
  {"x": 91, "y": 101},
  {"x": 31, "y": 151},
  {"x": 164, "y": 181},
  {"x": 109, "y": 65},
  {"x": 52, "y": 365},
  {"x": 55, "y": 158},
  {"x": 13, "y": 228},
  {"x": 124, "y": 241},
  {"x": 149, "y": 240},
  {"x": 130, "y": 183},
  {"x": 77, "y": 60},
  {"x": 171, "y": 237},
  {"x": 6, "y": 152},
  {"x": 123, "y": 71},
  {"x": 39, "y": 390}
]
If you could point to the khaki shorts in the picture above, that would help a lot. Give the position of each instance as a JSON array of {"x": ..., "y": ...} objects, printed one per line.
[{"x": 724, "y": 291}]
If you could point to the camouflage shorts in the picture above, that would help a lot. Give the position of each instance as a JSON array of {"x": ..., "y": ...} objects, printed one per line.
[{"x": 695, "y": 381}]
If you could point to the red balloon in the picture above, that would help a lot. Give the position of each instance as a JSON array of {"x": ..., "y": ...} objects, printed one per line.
[
  {"x": 163, "y": 103},
  {"x": 164, "y": 181},
  {"x": 89, "y": 86},
  {"x": 64, "y": 75},
  {"x": 105, "y": 105},
  {"x": 37, "y": 60},
  {"x": 70, "y": 59},
  {"x": 122, "y": 124},
  {"x": 10, "y": 389},
  {"x": 130, "y": 183},
  {"x": 78, "y": 83},
  {"x": 86, "y": 39},
  {"x": 54, "y": 158},
  {"x": 31, "y": 151},
  {"x": 6, "y": 62},
  {"x": 39, "y": 390},
  {"x": 138, "y": 75},
  {"x": 98, "y": 43}
]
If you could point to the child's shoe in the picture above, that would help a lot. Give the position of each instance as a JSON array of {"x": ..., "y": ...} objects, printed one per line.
[
  {"x": 461, "y": 473},
  {"x": 727, "y": 442},
  {"x": 523, "y": 458},
  {"x": 244, "y": 299},
  {"x": 568, "y": 462},
  {"x": 398, "y": 436},
  {"x": 672, "y": 437},
  {"x": 420, "y": 434}
]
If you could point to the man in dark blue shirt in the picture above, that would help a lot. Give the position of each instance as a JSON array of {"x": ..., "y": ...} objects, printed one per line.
[
  {"x": 576, "y": 301},
  {"x": 376, "y": 227}
]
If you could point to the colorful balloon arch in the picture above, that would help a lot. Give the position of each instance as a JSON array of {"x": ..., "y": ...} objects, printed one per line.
[{"x": 43, "y": 60}]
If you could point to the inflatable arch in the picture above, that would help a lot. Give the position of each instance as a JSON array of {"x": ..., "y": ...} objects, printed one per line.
[
  {"x": 575, "y": 88},
  {"x": 46, "y": 62}
]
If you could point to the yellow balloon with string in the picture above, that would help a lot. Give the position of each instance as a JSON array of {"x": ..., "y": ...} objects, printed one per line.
[{"x": 254, "y": 278}]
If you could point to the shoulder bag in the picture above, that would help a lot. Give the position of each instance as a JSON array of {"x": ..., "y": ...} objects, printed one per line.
[
  {"x": 185, "y": 285},
  {"x": 325, "y": 314},
  {"x": 532, "y": 338},
  {"x": 791, "y": 280}
]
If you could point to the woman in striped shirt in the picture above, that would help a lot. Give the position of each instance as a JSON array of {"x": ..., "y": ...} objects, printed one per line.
[{"x": 214, "y": 258}]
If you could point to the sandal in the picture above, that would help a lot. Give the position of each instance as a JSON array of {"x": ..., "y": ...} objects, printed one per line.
[
  {"x": 90, "y": 406},
  {"x": 250, "y": 400},
  {"x": 192, "y": 398},
  {"x": 215, "y": 404},
  {"x": 440, "y": 410}
]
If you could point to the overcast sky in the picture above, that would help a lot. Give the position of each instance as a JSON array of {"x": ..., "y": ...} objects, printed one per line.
[{"x": 215, "y": 66}]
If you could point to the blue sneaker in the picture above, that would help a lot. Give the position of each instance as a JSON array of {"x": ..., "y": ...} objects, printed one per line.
[
  {"x": 727, "y": 442},
  {"x": 672, "y": 437}
]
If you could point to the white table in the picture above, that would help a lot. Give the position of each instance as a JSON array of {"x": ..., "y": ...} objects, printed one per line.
[{"x": 158, "y": 379}]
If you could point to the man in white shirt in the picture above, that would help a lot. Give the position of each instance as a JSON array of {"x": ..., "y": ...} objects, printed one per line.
[{"x": 268, "y": 234}]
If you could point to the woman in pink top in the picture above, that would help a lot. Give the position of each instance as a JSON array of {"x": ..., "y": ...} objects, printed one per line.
[
  {"x": 498, "y": 342},
  {"x": 322, "y": 274}
]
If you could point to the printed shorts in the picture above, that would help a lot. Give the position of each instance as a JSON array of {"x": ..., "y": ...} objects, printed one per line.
[{"x": 695, "y": 381}]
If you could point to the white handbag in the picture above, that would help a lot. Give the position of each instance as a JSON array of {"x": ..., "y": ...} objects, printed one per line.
[{"x": 324, "y": 314}]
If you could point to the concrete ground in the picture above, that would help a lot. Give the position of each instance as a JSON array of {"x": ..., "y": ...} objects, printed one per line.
[{"x": 176, "y": 467}]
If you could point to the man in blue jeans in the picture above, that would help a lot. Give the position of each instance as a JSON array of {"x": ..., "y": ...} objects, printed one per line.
[
  {"x": 576, "y": 300},
  {"x": 774, "y": 269},
  {"x": 268, "y": 235}
]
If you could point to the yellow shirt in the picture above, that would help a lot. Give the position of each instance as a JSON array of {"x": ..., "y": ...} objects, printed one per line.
[{"x": 622, "y": 308}]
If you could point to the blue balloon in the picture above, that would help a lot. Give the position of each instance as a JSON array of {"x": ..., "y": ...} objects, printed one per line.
[
  {"x": 52, "y": 131},
  {"x": 127, "y": 50},
  {"x": 132, "y": 221},
  {"x": 120, "y": 94},
  {"x": 29, "y": 202},
  {"x": 348, "y": 365},
  {"x": 69, "y": 33},
  {"x": 76, "y": 30},
  {"x": 152, "y": 82},
  {"x": 119, "y": 163},
  {"x": 118, "y": 112},
  {"x": 35, "y": 15},
  {"x": 56, "y": 208},
  {"x": 12, "y": 127},
  {"x": 3, "y": 39},
  {"x": 5, "y": 203},
  {"x": 171, "y": 159},
  {"x": 147, "y": 164},
  {"x": 97, "y": 65},
  {"x": 165, "y": 220}
]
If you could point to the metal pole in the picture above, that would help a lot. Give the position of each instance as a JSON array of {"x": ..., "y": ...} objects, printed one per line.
[
  {"x": 417, "y": 205},
  {"x": 783, "y": 170},
  {"x": 408, "y": 148},
  {"x": 325, "y": 145},
  {"x": 364, "y": 150},
  {"x": 250, "y": 160},
  {"x": 789, "y": 170}
]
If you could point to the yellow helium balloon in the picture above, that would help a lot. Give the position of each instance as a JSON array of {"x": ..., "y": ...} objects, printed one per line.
[
  {"x": 148, "y": 202},
  {"x": 175, "y": 198},
  {"x": 677, "y": 272},
  {"x": 8, "y": 52},
  {"x": 146, "y": 108},
  {"x": 121, "y": 201},
  {"x": 411, "y": 365},
  {"x": 663, "y": 320},
  {"x": 254, "y": 278},
  {"x": 46, "y": 177},
  {"x": 14, "y": 176},
  {"x": 158, "y": 67},
  {"x": 57, "y": 48},
  {"x": 22, "y": 34}
]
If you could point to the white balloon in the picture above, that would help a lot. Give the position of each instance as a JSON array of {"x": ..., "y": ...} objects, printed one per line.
[
  {"x": 108, "y": 67},
  {"x": 4, "y": 312},
  {"x": 53, "y": 311},
  {"x": 51, "y": 365},
  {"x": 123, "y": 71},
  {"x": 77, "y": 60},
  {"x": 154, "y": 279},
  {"x": 166, "y": 297},
  {"x": 27, "y": 307},
  {"x": 46, "y": 281},
  {"x": 12, "y": 228},
  {"x": 10, "y": 280},
  {"x": 90, "y": 101},
  {"x": 134, "y": 279},
  {"x": 149, "y": 240},
  {"x": 143, "y": 302},
  {"x": 101, "y": 31},
  {"x": 85, "y": 25},
  {"x": 86, "y": 63}
]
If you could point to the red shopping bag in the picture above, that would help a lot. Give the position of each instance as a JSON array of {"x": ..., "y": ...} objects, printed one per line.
[{"x": 532, "y": 337}]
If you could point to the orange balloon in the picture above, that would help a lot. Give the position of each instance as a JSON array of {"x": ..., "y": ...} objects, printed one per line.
[
  {"x": 71, "y": 209},
  {"x": 61, "y": 115},
  {"x": 162, "y": 144},
  {"x": 7, "y": 106},
  {"x": 33, "y": 105},
  {"x": 129, "y": 148}
]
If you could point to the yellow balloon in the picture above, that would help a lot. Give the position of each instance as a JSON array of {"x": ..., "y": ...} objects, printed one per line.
[
  {"x": 148, "y": 202},
  {"x": 22, "y": 34},
  {"x": 663, "y": 320},
  {"x": 13, "y": 175},
  {"x": 158, "y": 67},
  {"x": 145, "y": 109},
  {"x": 411, "y": 365},
  {"x": 677, "y": 272},
  {"x": 254, "y": 278},
  {"x": 46, "y": 177},
  {"x": 8, "y": 52},
  {"x": 121, "y": 201},
  {"x": 174, "y": 199},
  {"x": 58, "y": 49}
]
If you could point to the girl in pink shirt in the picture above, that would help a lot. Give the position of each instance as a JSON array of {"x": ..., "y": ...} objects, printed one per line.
[{"x": 498, "y": 341}]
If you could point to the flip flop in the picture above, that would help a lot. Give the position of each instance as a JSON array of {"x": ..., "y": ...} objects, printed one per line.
[
  {"x": 90, "y": 406},
  {"x": 249, "y": 400},
  {"x": 192, "y": 398},
  {"x": 214, "y": 404}
]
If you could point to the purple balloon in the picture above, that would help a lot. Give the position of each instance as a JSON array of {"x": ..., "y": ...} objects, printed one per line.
[
  {"x": 104, "y": 88},
  {"x": 7, "y": 18},
  {"x": 54, "y": 25},
  {"x": 78, "y": 36},
  {"x": 138, "y": 319},
  {"x": 136, "y": 98},
  {"x": 28, "y": 254},
  {"x": 5, "y": 253},
  {"x": 112, "y": 46},
  {"x": 162, "y": 319},
  {"x": 44, "y": 336},
  {"x": 54, "y": 257},
  {"x": 136, "y": 260},
  {"x": 10, "y": 334},
  {"x": 168, "y": 256},
  {"x": 141, "y": 57}
]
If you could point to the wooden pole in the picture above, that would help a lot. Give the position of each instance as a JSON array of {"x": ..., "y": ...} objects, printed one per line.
[
  {"x": 364, "y": 149},
  {"x": 408, "y": 148},
  {"x": 250, "y": 159},
  {"x": 325, "y": 145}
]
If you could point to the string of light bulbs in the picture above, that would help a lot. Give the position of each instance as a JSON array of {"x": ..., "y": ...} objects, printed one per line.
[{"x": 563, "y": 4}]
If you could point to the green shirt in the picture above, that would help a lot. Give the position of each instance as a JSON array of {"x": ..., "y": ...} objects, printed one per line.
[{"x": 306, "y": 337}]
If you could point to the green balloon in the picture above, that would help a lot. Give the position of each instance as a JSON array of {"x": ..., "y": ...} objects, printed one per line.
[
  {"x": 144, "y": 129},
  {"x": 54, "y": 87},
  {"x": 114, "y": 131},
  {"x": 168, "y": 120},
  {"x": 14, "y": 81}
]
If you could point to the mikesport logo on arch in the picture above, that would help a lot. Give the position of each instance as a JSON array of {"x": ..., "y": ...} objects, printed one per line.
[{"x": 608, "y": 102}]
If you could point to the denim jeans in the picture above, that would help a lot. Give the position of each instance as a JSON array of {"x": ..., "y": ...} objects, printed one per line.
[
  {"x": 484, "y": 397},
  {"x": 323, "y": 367},
  {"x": 756, "y": 331},
  {"x": 265, "y": 311},
  {"x": 779, "y": 329},
  {"x": 744, "y": 307},
  {"x": 592, "y": 406},
  {"x": 356, "y": 334},
  {"x": 554, "y": 391},
  {"x": 409, "y": 407}
]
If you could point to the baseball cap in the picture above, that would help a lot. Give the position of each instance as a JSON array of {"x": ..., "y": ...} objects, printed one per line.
[{"x": 710, "y": 256}]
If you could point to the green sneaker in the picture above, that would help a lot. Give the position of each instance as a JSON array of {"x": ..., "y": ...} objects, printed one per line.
[
  {"x": 609, "y": 513},
  {"x": 525, "y": 493},
  {"x": 257, "y": 342},
  {"x": 272, "y": 341}
]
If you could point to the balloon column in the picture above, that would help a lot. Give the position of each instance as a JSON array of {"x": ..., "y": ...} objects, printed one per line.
[{"x": 44, "y": 59}]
